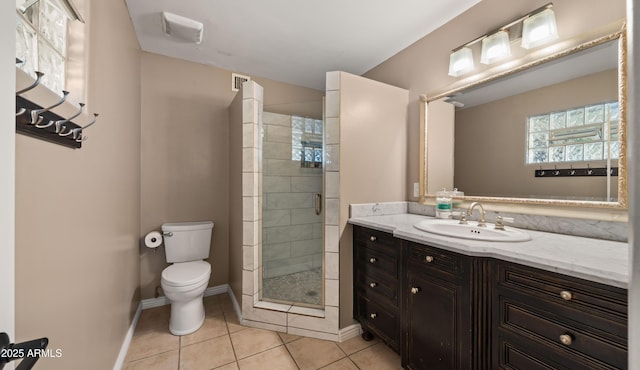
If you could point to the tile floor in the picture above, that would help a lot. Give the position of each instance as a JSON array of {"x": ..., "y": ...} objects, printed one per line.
[{"x": 221, "y": 343}]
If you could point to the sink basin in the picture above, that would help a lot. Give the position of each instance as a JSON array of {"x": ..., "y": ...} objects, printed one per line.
[{"x": 453, "y": 229}]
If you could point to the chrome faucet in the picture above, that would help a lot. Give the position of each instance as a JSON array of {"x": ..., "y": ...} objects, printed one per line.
[{"x": 481, "y": 220}]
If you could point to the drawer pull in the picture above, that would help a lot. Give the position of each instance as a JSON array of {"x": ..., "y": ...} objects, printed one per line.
[
  {"x": 415, "y": 290},
  {"x": 373, "y": 238},
  {"x": 373, "y": 315},
  {"x": 567, "y": 296},
  {"x": 373, "y": 285},
  {"x": 428, "y": 259},
  {"x": 566, "y": 339},
  {"x": 373, "y": 260}
]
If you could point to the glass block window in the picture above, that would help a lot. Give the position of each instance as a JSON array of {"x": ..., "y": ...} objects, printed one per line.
[
  {"x": 306, "y": 141},
  {"x": 41, "y": 39},
  {"x": 574, "y": 135}
]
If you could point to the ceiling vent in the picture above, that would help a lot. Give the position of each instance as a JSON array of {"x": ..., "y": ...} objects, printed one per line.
[
  {"x": 182, "y": 28},
  {"x": 237, "y": 80}
]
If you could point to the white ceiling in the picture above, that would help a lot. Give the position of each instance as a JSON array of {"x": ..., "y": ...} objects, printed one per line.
[{"x": 293, "y": 41}]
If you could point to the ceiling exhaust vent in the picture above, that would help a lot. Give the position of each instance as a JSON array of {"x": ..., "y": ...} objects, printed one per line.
[
  {"x": 182, "y": 28},
  {"x": 237, "y": 80}
]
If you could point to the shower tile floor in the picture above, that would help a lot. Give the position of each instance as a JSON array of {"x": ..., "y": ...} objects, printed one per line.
[
  {"x": 222, "y": 343},
  {"x": 301, "y": 287}
]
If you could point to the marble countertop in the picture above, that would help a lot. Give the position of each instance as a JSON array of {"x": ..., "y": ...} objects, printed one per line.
[{"x": 596, "y": 260}]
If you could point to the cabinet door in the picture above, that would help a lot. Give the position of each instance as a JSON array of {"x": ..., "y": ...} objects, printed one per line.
[{"x": 434, "y": 323}]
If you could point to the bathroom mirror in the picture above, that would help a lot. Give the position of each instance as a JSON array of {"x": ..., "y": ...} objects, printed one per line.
[{"x": 500, "y": 156}]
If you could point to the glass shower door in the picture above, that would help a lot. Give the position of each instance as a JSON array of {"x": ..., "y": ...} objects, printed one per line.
[{"x": 292, "y": 220}]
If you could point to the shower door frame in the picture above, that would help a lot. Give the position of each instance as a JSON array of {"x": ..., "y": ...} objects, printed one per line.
[{"x": 320, "y": 323}]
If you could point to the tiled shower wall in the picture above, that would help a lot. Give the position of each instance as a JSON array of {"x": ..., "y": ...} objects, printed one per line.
[{"x": 291, "y": 230}]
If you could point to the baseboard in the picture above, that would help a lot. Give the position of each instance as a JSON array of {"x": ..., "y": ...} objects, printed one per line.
[
  {"x": 127, "y": 339},
  {"x": 157, "y": 302},
  {"x": 236, "y": 306},
  {"x": 163, "y": 301},
  {"x": 349, "y": 332},
  {"x": 154, "y": 302},
  {"x": 215, "y": 290}
]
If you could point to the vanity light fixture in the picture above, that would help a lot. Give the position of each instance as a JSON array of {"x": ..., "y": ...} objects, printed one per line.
[
  {"x": 534, "y": 28},
  {"x": 495, "y": 47},
  {"x": 538, "y": 29},
  {"x": 461, "y": 62}
]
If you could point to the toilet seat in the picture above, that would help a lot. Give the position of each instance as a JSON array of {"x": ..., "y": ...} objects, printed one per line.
[{"x": 183, "y": 274}]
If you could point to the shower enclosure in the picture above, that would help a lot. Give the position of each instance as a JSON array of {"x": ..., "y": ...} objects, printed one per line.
[{"x": 292, "y": 227}]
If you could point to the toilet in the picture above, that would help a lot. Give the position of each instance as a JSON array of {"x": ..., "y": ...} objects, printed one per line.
[{"x": 185, "y": 280}]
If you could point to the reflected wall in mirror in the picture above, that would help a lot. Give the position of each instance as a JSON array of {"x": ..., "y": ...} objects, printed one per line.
[{"x": 565, "y": 111}]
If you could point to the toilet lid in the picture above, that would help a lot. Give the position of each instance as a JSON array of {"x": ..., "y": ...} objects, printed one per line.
[{"x": 186, "y": 273}]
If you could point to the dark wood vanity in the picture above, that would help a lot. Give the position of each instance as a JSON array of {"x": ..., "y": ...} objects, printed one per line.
[
  {"x": 377, "y": 282},
  {"x": 444, "y": 310}
]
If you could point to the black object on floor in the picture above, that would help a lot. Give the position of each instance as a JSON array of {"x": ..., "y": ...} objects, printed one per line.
[{"x": 29, "y": 350}]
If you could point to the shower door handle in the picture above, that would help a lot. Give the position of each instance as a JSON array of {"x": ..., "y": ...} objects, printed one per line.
[{"x": 318, "y": 203}]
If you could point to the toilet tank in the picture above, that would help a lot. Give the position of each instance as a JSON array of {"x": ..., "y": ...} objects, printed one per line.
[{"x": 187, "y": 241}]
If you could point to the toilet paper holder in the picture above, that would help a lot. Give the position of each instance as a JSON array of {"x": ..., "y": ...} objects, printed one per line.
[{"x": 153, "y": 240}]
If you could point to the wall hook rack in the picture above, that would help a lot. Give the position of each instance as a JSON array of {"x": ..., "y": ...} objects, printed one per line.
[
  {"x": 576, "y": 172},
  {"x": 41, "y": 123}
]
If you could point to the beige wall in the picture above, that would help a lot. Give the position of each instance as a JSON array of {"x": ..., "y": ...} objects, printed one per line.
[
  {"x": 422, "y": 67},
  {"x": 491, "y": 139},
  {"x": 77, "y": 212},
  {"x": 373, "y": 162},
  {"x": 186, "y": 154}
]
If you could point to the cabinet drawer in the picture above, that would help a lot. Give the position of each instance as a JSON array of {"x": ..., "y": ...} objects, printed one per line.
[
  {"x": 372, "y": 262},
  {"x": 572, "y": 296},
  {"x": 562, "y": 335},
  {"x": 379, "y": 320},
  {"x": 435, "y": 259},
  {"x": 378, "y": 285},
  {"x": 377, "y": 240},
  {"x": 516, "y": 352}
]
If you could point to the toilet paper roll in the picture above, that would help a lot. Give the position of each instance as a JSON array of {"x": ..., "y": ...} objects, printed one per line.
[{"x": 153, "y": 239}]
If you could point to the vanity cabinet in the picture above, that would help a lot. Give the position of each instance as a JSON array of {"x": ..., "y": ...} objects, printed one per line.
[
  {"x": 544, "y": 320},
  {"x": 438, "y": 309},
  {"x": 444, "y": 310},
  {"x": 376, "y": 277}
]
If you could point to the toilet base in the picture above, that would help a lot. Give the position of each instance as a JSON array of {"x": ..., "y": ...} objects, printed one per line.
[{"x": 186, "y": 317}]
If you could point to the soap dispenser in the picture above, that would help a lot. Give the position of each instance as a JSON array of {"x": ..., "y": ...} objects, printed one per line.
[{"x": 443, "y": 204}]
